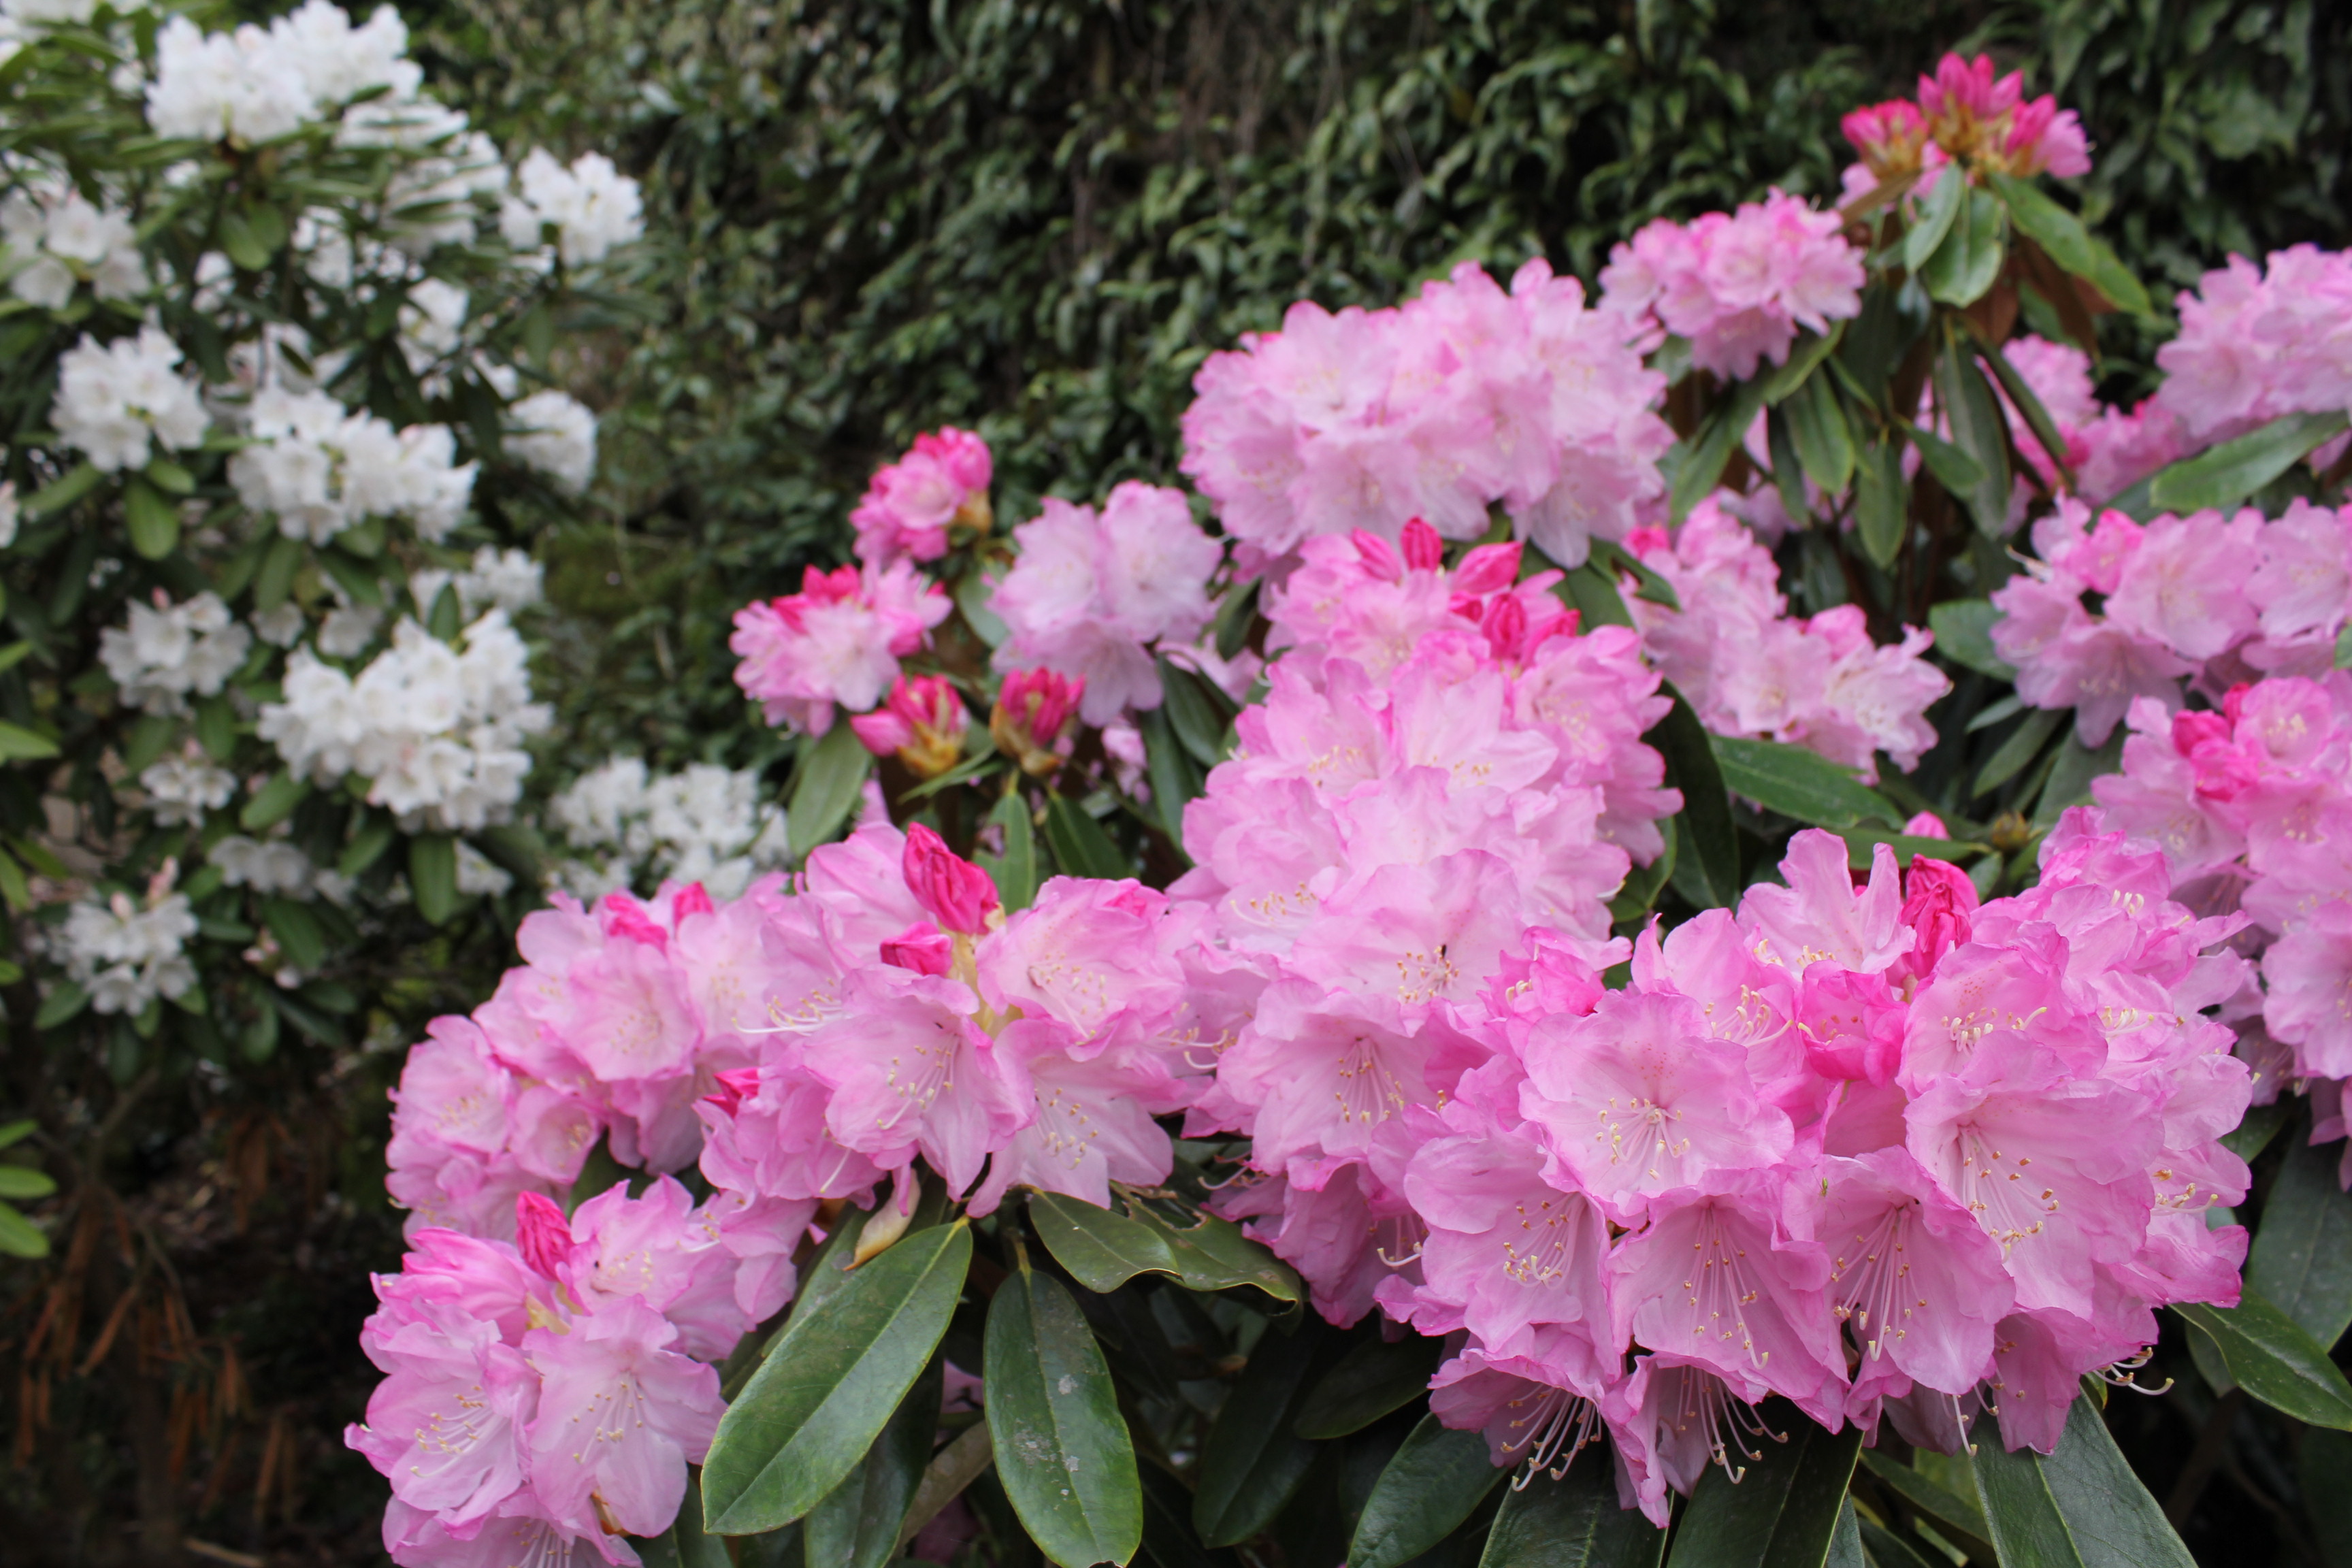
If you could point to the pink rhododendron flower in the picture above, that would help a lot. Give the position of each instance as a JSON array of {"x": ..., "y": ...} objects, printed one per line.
[
  {"x": 909, "y": 505},
  {"x": 836, "y": 642},
  {"x": 1738, "y": 285}
]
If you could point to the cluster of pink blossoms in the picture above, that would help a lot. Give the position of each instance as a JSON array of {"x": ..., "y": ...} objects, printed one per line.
[
  {"x": 1748, "y": 669},
  {"x": 1965, "y": 111},
  {"x": 908, "y": 508},
  {"x": 1738, "y": 285},
  {"x": 1463, "y": 397},
  {"x": 1880, "y": 1150},
  {"x": 834, "y": 644},
  {"x": 2252, "y": 804},
  {"x": 2222, "y": 599},
  {"x": 2259, "y": 342}
]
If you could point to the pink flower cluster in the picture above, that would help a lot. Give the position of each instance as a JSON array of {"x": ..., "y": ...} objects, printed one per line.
[
  {"x": 1093, "y": 595},
  {"x": 1964, "y": 111},
  {"x": 1748, "y": 669},
  {"x": 1463, "y": 397},
  {"x": 2220, "y": 599},
  {"x": 911, "y": 504},
  {"x": 837, "y": 642},
  {"x": 1878, "y": 1149},
  {"x": 2259, "y": 342},
  {"x": 1738, "y": 285},
  {"x": 546, "y": 1394}
]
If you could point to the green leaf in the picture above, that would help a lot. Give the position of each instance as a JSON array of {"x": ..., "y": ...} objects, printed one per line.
[
  {"x": 1954, "y": 469},
  {"x": 274, "y": 580},
  {"x": 1800, "y": 783},
  {"x": 16, "y": 1132},
  {"x": 1168, "y": 1539},
  {"x": 1378, "y": 1376},
  {"x": 1938, "y": 211},
  {"x": 2025, "y": 400},
  {"x": 367, "y": 846},
  {"x": 1648, "y": 587},
  {"x": 1199, "y": 714},
  {"x": 856, "y": 1524},
  {"x": 1703, "y": 462},
  {"x": 2344, "y": 649},
  {"x": 1959, "y": 1519},
  {"x": 2024, "y": 744},
  {"x": 1235, "y": 616},
  {"x": 2249, "y": 1137},
  {"x": 1080, "y": 846},
  {"x": 15, "y": 889},
  {"x": 24, "y": 1181},
  {"x": 2223, "y": 477},
  {"x": 831, "y": 1383},
  {"x": 2275, "y": 1360},
  {"x": 1253, "y": 1461},
  {"x": 1571, "y": 1522},
  {"x": 1881, "y": 519},
  {"x": 2302, "y": 1258},
  {"x": 824, "y": 791},
  {"x": 243, "y": 244},
  {"x": 61, "y": 1004},
  {"x": 19, "y": 1236},
  {"x": 2080, "y": 1508},
  {"x": 1593, "y": 593},
  {"x": 685, "y": 1544},
  {"x": 1062, "y": 1447},
  {"x": 18, "y": 745},
  {"x": 1979, "y": 429},
  {"x": 1175, "y": 777},
  {"x": 296, "y": 932},
  {"x": 1434, "y": 1482},
  {"x": 433, "y": 875},
  {"x": 1817, "y": 423},
  {"x": 170, "y": 477},
  {"x": 1788, "y": 467},
  {"x": 1102, "y": 1250},
  {"x": 216, "y": 728},
  {"x": 1704, "y": 829},
  {"x": 155, "y": 522},
  {"x": 1970, "y": 258},
  {"x": 1963, "y": 630},
  {"x": 1862, "y": 848},
  {"x": 1214, "y": 1254},
  {"x": 1803, "y": 358},
  {"x": 1782, "y": 1512},
  {"x": 2061, "y": 236},
  {"x": 1016, "y": 868},
  {"x": 2070, "y": 777},
  {"x": 1882, "y": 1548},
  {"x": 273, "y": 802},
  {"x": 61, "y": 492}
]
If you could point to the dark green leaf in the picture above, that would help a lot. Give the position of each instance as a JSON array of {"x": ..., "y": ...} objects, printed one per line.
[
  {"x": 1800, "y": 783},
  {"x": 273, "y": 802},
  {"x": 1970, "y": 258},
  {"x": 2023, "y": 398},
  {"x": 1803, "y": 358},
  {"x": 216, "y": 728},
  {"x": 824, "y": 791},
  {"x": 1102, "y": 1250},
  {"x": 1016, "y": 868},
  {"x": 831, "y": 1383},
  {"x": 2061, "y": 236},
  {"x": 170, "y": 477},
  {"x": 2344, "y": 649},
  {"x": 22, "y": 1182},
  {"x": 242, "y": 243},
  {"x": 1572, "y": 1522},
  {"x": 1862, "y": 848},
  {"x": 19, "y": 744},
  {"x": 1782, "y": 1512},
  {"x": 1378, "y": 1376},
  {"x": 2275, "y": 1360},
  {"x": 1939, "y": 210},
  {"x": 61, "y": 492},
  {"x": 2302, "y": 1258},
  {"x": 274, "y": 580},
  {"x": 2326, "y": 1464},
  {"x": 1642, "y": 884},
  {"x": 367, "y": 846},
  {"x": 1648, "y": 587},
  {"x": 1963, "y": 629},
  {"x": 2224, "y": 476},
  {"x": 1168, "y": 1539},
  {"x": 1213, "y": 1254},
  {"x": 2080, "y": 1508},
  {"x": 1817, "y": 423},
  {"x": 1701, "y": 463},
  {"x": 1234, "y": 616},
  {"x": 1979, "y": 429},
  {"x": 1959, "y": 1519},
  {"x": 64, "y": 1002},
  {"x": 155, "y": 522},
  {"x": 856, "y": 1524},
  {"x": 1705, "y": 833},
  {"x": 2249, "y": 1137},
  {"x": 1198, "y": 713},
  {"x": 2070, "y": 778},
  {"x": 1062, "y": 1447},
  {"x": 1882, "y": 1548},
  {"x": 297, "y": 933},
  {"x": 1253, "y": 1461},
  {"x": 1593, "y": 592},
  {"x": 1175, "y": 777},
  {"x": 433, "y": 875},
  {"x": 1434, "y": 1482},
  {"x": 2024, "y": 744},
  {"x": 20, "y": 1237},
  {"x": 1080, "y": 846},
  {"x": 1880, "y": 519},
  {"x": 1954, "y": 469},
  {"x": 1788, "y": 467}
]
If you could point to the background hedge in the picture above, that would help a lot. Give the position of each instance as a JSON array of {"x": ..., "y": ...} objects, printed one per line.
[{"x": 868, "y": 217}]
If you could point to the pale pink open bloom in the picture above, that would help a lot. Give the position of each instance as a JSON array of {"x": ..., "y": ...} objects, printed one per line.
[
  {"x": 837, "y": 642},
  {"x": 909, "y": 505}
]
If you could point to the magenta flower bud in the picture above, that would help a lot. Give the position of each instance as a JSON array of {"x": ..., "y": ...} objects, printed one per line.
[
  {"x": 542, "y": 1235},
  {"x": 1033, "y": 712},
  {"x": 925, "y": 949},
  {"x": 951, "y": 890},
  {"x": 1423, "y": 549}
]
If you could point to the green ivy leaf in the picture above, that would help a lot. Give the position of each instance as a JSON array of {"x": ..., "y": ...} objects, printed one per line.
[
  {"x": 824, "y": 791},
  {"x": 1062, "y": 1447},
  {"x": 1800, "y": 783},
  {"x": 831, "y": 1383},
  {"x": 2275, "y": 1360},
  {"x": 2080, "y": 1508}
]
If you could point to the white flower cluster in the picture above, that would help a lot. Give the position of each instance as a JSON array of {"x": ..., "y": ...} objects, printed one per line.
[
  {"x": 168, "y": 650},
  {"x": 254, "y": 85},
  {"x": 431, "y": 198},
  {"x": 180, "y": 789},
  {"x": 705, "y": 823},
  {"x": 52, "y": 238},
  {"x": 477, "y": 873},
  {"x": 592, "y": 206},
  {"x": 127, "y": 954},
  {"x": 266, "y": 865},
  {"x": 555, "y": 433},
  {"x": 114, "y": 398},
  {"x": 498, "y": 579},
  {"x": 439, "y": 731},
  {"x": 321, "y": 470}
]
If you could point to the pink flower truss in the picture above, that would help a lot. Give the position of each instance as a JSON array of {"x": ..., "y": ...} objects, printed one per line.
[
  {"x": 2259, "y": 342},
  {"x": 1965, "y": 111},
  {"x": 838, "y": 641},
  {"x": 907, "y": 508},
  {"x": 1464, "y": 396},
  {"x": 1738, "y": 285}
]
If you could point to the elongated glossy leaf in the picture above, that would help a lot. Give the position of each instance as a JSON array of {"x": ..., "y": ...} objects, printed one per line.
[
  {"x": 1970, "y": 258},
  {"x": 2301, "y": 1261},
  {"x": 1954, "y": 469},
  {"x": 273, "y": 802},
  {"x": 1963, "y": 629},
  {"x": 2080, "y": 1508},
  {"x": 1063, "y": 1453},
  {"x": 856, "y": 1524},
  {"x": 1803, "y": 358},
  {"x": 1572, "y": 1522},
  {"x": 2224, "y": 476},
  {"x": 1253, "y": 1461},
  {"x": 64, "y": 1002},
  {"x": 1881, "y": 520},
  {"x": 1941, "y": 209},
  {"x": 952, "y": 1470},
  {"x": 24, "y": 1181},
  {"x": 2069, "y": 783},
  {"x": 1081, "y": 848},
  {"x": 1703, "y": 462},
  {"x": 1593, "y": 592},
  {"x": 1016, "y": 868},
  {"x": 1979, "y": 428},
  {"x": 1707, "y": 853},
  {"x": 2023, "y": 398},
  {"x": 2275, "y": 1360},
  {"x": 155, "y": 522},
  {"x": 2063, "y": 238},
  {"x": 18, "y": 745},
  {"x": 831, "y": 1383},
  {"x": 1824, "y": 440},
  {"x": 1799, "y": 784},
  {"x": 824, "y": 791},
  {"x": 2024, "y": 744},
  {"x": 1378, "y": 1376},
  {"x": 1882, "y": 1548},
  {"x": 433, "y": 875},
  {"x": 1845, "y": 1542},
  {"x": 20, "y": 1237},
  {"x": 1782, "y": 1512},
  {"x": 1198, "y": 712},
  {"x": 1648, "y": 585},
  {"x": 1960, "y": 1519},
  {"x": 1787, "y": 468},
  {"x": 1862, "y": 848},
  {"x": 1102, "y": 1248},
  {"x": 1434, "y": 1482},
  {"x": 1211, "y": 1254},
  {"x": 1175, "y": 777}
]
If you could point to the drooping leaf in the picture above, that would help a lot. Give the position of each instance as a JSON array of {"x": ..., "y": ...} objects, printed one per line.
[
  {"x": 1783, "y": 1510},
  {"x": 1800, "y": 783},
  {"x": 1432, "y": 1483},
  {"x": 2223, "y": 477},
  {"x": 2079, "y": 1507},
  {"x": 1963, "y": 629},
  {"x": 1882, "y": 1548},
  {"x": 831, "y": 1383},
  {"x": 1063, "y": 1453},
  {"x": 1377, "y": 1377},
  {"x": 433, "y": 875},
  {"x": 825, "y": 789},
  {"x": 1881, "y": 519},
  {"x": 2301, "y": 1260},
  {"x": 1080, "y": 846},
  {"x": 1979, "y": 428},
  {"x": 2275, "y": 1360},
  {"x": 1823, "y": 437},
  {"x": 1941, "y": 209},
  {"x": 1253, "y": 1461},
  {"x": 856, "y": 1523},
  {"x": 1572, "y": 1522},
  {"x": 1969, "y": 258},
  {"x": 1704, "y": 829},
  {"x": 2066, "y": 242},
  {"x": 2024, "y": 744},
  {"x": 1016, "y": 868}
]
